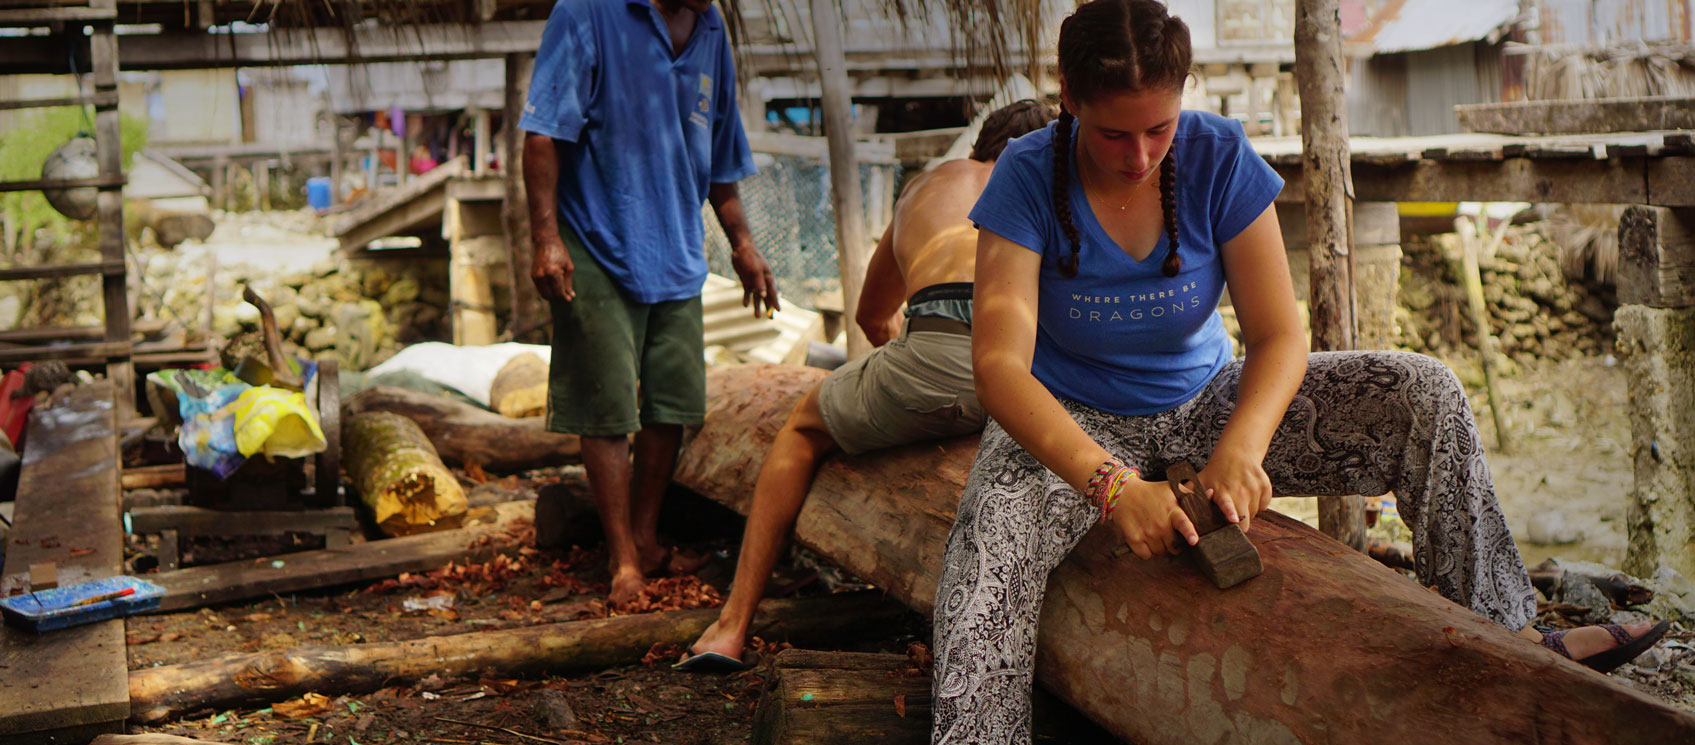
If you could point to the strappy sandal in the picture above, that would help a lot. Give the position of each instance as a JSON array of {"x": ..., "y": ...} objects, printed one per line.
[{"x": 1608, "y": 660}]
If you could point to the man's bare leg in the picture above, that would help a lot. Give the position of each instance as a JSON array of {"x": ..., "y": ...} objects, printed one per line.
[
  {"x": 777, "y": 498},
  {"x": 607, "y": 461},
  {"x": 656, "y": 456}
]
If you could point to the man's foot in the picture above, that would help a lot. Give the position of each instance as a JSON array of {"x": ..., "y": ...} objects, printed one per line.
[
  {"x": 674, "y": 561},
  {"x": 653, "y": 557},
  {"x": 720, "y": 638},
  {"x": 628, "y": 586},
  {"x": 1602, "y": 648}
]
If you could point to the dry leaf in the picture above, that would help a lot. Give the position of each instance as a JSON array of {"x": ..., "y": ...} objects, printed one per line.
[
  {"x": 474, "y": 471},
  {"x": 900, "y": 705},
  {"x": 309, "y": 705}
]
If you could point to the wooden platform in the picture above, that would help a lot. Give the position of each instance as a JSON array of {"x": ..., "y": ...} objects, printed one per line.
[{"x": 66, "y": 685}]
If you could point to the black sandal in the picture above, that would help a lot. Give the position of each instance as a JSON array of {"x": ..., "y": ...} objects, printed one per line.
[{"x": 1609, "y": 660}]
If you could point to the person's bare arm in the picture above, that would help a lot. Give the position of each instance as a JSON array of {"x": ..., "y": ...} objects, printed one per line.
[
  {"x": 1274, "y": 361},
  {"x": 882, "y": 294},
  {"x": 550, "y": 264},
  {"x": 1003, "y": 346},
  {"x": 759, "y": 286}
]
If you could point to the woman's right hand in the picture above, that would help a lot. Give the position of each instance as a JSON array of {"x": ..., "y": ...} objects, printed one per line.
[{"x": 1149, "y": 520}]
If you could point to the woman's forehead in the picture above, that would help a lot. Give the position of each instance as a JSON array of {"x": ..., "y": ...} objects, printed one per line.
[{"x": 1131, "y": 111}]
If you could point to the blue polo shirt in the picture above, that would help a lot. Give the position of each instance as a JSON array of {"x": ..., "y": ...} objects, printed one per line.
[
  {"x": 1121, "y": 336},
  {"x": 640, "y": 134}
]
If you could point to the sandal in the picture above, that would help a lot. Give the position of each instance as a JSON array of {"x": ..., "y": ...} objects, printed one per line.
[{"x": 1609, "y": 660}]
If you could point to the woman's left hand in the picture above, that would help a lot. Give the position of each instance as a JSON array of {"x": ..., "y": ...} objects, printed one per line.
[{"x": 1238, "y": 484}]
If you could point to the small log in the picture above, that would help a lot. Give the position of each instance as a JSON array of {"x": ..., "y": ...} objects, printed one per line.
[
  {"x": 149, "y": 738},
  {"x": 161, "y": 693},
  {"x": 1617, "y": 587},
  {"x": 520, "y": 388},
  {"x": 842, "y": 698},
  {"x": 169, "y": 475},
  {"x": 399, "y": 475},
  {"x": 463, "y": 433}
]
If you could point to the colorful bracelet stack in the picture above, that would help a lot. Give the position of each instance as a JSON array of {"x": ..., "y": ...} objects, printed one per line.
[{"x": 1107, "y": 483}]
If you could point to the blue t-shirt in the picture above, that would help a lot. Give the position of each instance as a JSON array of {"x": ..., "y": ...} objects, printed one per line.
[
  {"x": 1121, "y": 336},
  {"x": 640, "y": 135}
]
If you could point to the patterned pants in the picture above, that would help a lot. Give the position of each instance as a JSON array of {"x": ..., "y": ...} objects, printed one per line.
[{"x": 1361, "y": 423}]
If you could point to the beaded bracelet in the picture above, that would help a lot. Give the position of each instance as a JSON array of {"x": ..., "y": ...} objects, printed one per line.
[{"x": 1107, "y": 483}]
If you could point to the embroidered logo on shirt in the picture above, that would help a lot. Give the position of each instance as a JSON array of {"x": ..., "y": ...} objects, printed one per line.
[{"x": 703, "y": 104}]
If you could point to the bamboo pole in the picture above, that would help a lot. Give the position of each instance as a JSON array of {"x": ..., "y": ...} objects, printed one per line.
[
  {"x": 844, "y": 166},
  {"x": 1487, "y": 345}
]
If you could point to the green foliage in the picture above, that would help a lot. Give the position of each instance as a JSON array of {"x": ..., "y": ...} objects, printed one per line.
[{"x": 24, "y": 149}]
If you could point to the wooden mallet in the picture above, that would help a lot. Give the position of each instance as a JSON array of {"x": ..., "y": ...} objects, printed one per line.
[{"x": 1223, "y": 553}]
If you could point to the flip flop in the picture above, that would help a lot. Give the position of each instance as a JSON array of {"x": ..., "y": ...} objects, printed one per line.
[
  {"x": 710, "y": 662},
  {"x": 1609, "y": 660}
]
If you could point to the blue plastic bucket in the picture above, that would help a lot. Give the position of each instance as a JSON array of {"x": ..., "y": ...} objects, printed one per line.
[{"x": 318, "y": 193}]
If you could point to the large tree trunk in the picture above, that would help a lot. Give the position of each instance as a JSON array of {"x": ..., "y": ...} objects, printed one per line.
[
  {"x": 160, "y": 693},
  {"x": 1326, "y": 646},
  {"x": 462, "y": 433},
  {"x": 399, "y": 475}
]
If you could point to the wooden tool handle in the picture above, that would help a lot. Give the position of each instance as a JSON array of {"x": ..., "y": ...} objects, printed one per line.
[{"x": 1201, "y": 511}]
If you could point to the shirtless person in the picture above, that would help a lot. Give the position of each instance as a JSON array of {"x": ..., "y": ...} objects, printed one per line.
[{"x": 913, "y": 386}]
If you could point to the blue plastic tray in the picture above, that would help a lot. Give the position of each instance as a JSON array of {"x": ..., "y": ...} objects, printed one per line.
[{"x": 51, "y": 609}]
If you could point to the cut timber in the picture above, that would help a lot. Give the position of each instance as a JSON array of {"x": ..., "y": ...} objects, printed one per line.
[
  {"x": 1592, "y": 115},
  {"x": 155, "y": 477},
  {"x": 845, "y": 698},
  {"x": 399, "y": 475},
  {"x": 66, "y": 683},
  {"x": 520, "y": 388},
  {"x": 1657, "y": 257},
  {"x": 359, "y": 562},
  {"x": 1152, "y": 651},
  {"x": 463, "y": 433},
  {"x": 160, "y": 693}
]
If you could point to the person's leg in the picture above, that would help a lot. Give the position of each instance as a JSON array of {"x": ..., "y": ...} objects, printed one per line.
[
  {"x": 1016, "y": 521},
  {"x": 592, "y": 393},
  {"x": 1372, "y": 422},
  {"x": 777, "y": 498},
  {"x": 673, "y": 396}
]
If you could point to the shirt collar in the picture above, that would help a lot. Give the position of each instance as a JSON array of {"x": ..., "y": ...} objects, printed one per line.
[{"x": 711, "y": 18}]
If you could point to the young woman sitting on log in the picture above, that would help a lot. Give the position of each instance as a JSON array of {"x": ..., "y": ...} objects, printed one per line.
[{"x": 1105, "y": 242}]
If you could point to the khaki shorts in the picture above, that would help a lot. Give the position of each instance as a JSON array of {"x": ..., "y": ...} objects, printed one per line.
[
  {"x": 619, "y": 365},
  {"x": 916, "y": 387}
]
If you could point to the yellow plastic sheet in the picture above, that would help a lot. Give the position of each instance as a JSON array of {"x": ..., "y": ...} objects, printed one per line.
[{"x": 276, "y": 422}]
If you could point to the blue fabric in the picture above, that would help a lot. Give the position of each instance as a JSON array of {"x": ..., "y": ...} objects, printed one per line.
[
  {"x": 1121, "y": 336},
  {"x": 640, "y": 135}
]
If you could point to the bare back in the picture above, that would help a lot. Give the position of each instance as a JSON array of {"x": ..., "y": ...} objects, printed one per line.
[{"x": 934, "y": 240}]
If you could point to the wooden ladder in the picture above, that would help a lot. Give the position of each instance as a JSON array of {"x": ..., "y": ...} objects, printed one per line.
[{"x": 114, "y": 345}]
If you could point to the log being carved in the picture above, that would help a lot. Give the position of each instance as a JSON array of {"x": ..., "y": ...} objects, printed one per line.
[{"x": 1326, "y": 646}]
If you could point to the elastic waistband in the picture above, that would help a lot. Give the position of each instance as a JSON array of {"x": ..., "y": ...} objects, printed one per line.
[{"x": 944, "y": 291}]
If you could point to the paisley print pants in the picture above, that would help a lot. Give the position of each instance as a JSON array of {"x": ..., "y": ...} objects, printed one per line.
[{"x": 1361, "y": 423}]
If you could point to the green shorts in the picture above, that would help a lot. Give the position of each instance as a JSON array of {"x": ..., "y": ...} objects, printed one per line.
[{"x": 619, "y": 365}]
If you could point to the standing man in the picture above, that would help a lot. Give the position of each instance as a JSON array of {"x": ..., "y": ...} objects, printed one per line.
[{"x": 631, "y": 125}]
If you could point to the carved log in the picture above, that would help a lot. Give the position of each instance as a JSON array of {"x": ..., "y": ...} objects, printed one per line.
[
  {"x": 1326, "y": 646},
  {"x": 399, "y": 475}
]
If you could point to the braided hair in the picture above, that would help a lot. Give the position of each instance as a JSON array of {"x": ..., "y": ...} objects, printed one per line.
[{"x": 1112, "y": 46}]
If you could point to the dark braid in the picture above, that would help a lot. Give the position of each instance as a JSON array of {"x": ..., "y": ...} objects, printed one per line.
[
  {"x": 1062, "y": 191},
  {"x": 1168, "y": 200}
]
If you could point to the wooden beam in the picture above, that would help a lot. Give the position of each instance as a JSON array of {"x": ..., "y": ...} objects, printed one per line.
[
  {"x": 104, "y": 182},
  {"x": 96, "y": 350},
  {"x": 1154, "y": 653},
  {"x": 782, "y": 143},
  {"x": 45, "y": 16},
  {"x": 45, "y": 103},
  {"x": 67, "y": 513},
  {"x": 1656, "y": 257},
  {"x": 842, "y": 698},
  {"x": 851, "y": 247},
  {"x": 1328, "y": 187},
  {"x": 1623, "y": 181},
  {"x": 114, "y": 286},
  {"x": 60, "y": 270},
  {"x": 1593, "y": 115},
  {"x": 359, "y": 562},
  {"x": 189, "y": 521}
]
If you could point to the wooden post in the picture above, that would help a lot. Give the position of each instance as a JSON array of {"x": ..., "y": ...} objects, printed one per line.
[
  {"x": 114, "y": 282},
  {"x": 479, "y": 142},
  {"x": 338, "y": 159},
  {"x": 374, "y": 164},
  {"x": 1324, "y": 139},
  {"x": 851, "y": 253},
  {"x": 220, "y": 182},
  {"x": 262, "y": 185},
  {"x": 529, "y": 313},
  {"x": 1656, "y": 342}
]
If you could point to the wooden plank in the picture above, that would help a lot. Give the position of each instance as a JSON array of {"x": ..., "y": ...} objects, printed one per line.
[
  {"x": 45, "y": 103},
  {"x": 67, "y": 513},
  {"x": 359, "y": 562},
  {"x": 1646, "y": 113},
  {"x": 60, "y": 270},
  {"x": 782, "y": 143},
  {"x": 61, "y": 183},
  {"x": 189, "y": 521},
  {"x": 837, "y": 698},
  {"x": 44, "y": 16},
  {"x": 1671, "y": 181},
  {"x": 1656, "y": 261},
  {"x": 400, "y": 210},
  {"x": 1510, "y": 180},
  {"x": 1158, "y": 656},
  {"x": 96, "y": 351}
]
